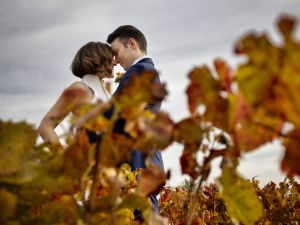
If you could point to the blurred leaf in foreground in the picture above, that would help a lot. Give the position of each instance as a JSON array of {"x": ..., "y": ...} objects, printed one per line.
[
  {"x": 16, "y": 141},
  {"x": 241, "y": 200},
  {"x": 291, "y": 161},
  {"x": 8, "y": 206}
]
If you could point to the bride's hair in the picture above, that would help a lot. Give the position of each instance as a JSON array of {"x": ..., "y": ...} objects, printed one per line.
[{"x": 90, "y": 58}]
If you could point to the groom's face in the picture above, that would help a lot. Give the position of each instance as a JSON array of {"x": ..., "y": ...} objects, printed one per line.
[{"x": 123, "y": 53}]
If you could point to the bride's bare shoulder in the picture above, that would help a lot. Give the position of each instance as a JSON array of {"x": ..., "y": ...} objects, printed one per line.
[{"x": 78, "y": 90}]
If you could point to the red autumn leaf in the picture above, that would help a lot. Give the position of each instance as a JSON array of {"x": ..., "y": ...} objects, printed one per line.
[
  {"x": 157, "y": 128},
  {"x": 286, "y": 24},
  {"x": 78, "y": 157},
  {"x": 203, "y": 88},
  {"x": 255, "y": 131},
  {"x": 225, "y": 74},
  {"x": 152, "y": 179},
  {"x": 188, "y": 163},
  {"x": 290, "y": 163}
]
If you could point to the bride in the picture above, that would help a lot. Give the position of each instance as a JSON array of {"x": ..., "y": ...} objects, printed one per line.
[{"x": 93, "y": 62}]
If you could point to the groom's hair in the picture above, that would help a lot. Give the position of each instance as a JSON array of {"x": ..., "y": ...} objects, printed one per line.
[{"x": 128, "y": 31}]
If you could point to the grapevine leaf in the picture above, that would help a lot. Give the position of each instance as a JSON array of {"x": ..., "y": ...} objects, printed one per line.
[
  {"x": 151, "y": 180},
  {"x": 260, "y": 51},
  {"x": 154, "y": 131},
  {"x": 249, "y": 134},
  {"x": 114, "y": 149},
  {"x": 286, "y": 24},
  {"x": 36, "y": 166},
  {"x": 203, "y": 88},
  {"x": 188, "y": 131},
  {"x": 16, "y": 141},
  {"x": 154, "y": 218},
  {"x": 8, "y": 205},
  {"x": 131, "y": 115},
  {"x": 290, "y": 163},
  {"x": 158, "y": 128},
  {"x": 134, "y": 201},
  {"x": 254, "y": 83},
  {"x": 238, "y": 111},
  {"x": 131, "y": 179},
  {"x": 188, "y": 162},
  {"x": 121, "y": 216},
  {"x": 78, "y": 157},
  {"x": 240, "y": 198},
  {"x": 290, "y": 84},
  {"x": 124, "y": 216},
  {"x": 152, "y": 91},
  {"x": 63, "y": 210},
  {"x": 46, "y": 188},
  {"x": 104, "y": 204},
  {"x": 225, "y": 74}
]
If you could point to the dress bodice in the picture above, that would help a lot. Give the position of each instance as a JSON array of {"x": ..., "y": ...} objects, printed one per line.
[{"x": 97, "y": 86}]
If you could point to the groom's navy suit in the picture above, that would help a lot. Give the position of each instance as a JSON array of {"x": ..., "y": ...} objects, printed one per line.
[{"x": 137, "y": 158}]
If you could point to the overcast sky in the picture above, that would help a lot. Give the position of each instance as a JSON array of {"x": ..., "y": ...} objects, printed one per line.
[{"x": 39, "y": 39}]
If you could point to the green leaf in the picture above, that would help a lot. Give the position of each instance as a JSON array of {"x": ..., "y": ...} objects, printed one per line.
[
  {"x": 64, "y": 210},
  {"x": 8, "y": 206},
  {"x": 134, "y": 201},
  {"x": 188, "y": 131},
  {"x": 254, "y": 83},
  {"x": 154, "y": 218},
  {"x": 240, "y": 198},
  {"x": 16, "y": 141},
  {"x": 124, "y": 217},
  {"x": 46, "y": 188}
]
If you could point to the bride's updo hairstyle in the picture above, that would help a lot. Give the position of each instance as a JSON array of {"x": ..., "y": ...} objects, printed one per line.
[{"x": 90, "y": 58}]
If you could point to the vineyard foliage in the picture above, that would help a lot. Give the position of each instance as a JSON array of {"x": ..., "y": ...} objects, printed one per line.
[
  {"x": 280, "y": 203},
  {"x": 86, "y": 184}
]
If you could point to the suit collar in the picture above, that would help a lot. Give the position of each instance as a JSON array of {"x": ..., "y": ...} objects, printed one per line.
[{"x": 142, "y": 59}]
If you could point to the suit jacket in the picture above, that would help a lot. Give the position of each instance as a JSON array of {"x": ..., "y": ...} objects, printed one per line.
[
  {"x": 138, "y": 158},
  {"x": 137, "y": 69}
]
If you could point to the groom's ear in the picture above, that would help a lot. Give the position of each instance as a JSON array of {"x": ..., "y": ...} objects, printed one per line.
[{"x": 132, "y": 43}]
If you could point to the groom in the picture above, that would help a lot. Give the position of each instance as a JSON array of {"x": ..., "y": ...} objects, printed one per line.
[{"x": 130, "y": 48}]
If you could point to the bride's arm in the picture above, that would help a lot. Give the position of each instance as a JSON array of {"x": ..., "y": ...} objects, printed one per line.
[{"x": 75, "y": 95}]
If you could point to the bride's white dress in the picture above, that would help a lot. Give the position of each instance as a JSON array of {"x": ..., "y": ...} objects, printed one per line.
[{"x": 97, "y": 86}]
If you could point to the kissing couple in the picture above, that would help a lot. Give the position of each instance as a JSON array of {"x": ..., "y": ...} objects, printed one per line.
[{"x": 94, "y": 61}]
